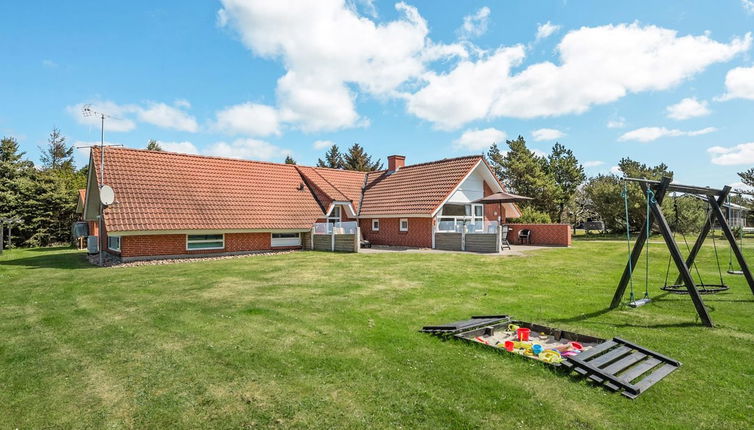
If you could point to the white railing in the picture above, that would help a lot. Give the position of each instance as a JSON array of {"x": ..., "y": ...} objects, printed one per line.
[
  {"x": 465, "y": 225},
  {"x": 348, "y": 227}
]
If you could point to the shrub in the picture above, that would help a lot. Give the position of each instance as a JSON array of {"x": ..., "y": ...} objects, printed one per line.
[{"x": 529, "y": 215}]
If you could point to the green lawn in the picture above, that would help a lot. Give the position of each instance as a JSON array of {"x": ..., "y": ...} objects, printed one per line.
[{"x": 330, "y": 340}]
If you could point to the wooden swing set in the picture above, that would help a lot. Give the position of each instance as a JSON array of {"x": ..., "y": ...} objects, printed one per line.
[{"x": 655, "y": 192}]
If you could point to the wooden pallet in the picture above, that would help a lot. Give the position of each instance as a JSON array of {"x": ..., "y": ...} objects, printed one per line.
[
  {"x": 622, "y": 366},
  {"x": 616, "y": 364}
]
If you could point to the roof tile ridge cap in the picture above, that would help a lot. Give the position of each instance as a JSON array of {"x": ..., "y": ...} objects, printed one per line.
[
  {"x": 443, "y": 160},
  {"x": 199, "y": 156}
]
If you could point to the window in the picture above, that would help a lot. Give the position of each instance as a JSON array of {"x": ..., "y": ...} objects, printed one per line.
[
  {"x": 113, "y": 243},
  {"x": 286, "y": 239},
  {"x": 205, "y": 241},
  {"x": 334, "y": 215},
  {"x": 404, "y": 224},
  {"x": 375, "y": 225},
  {"x": 456, "y": 217}
]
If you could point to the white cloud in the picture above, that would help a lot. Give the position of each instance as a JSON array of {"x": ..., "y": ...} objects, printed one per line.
[
  {"x": 615, "y": 170},
  {"x": 619, "y": 122},
  {"x": 184, "y": 147},
  {"x": 740, "y": 186},
  {"x": 649, "y": 134},
  {"x": 689, "y": 107},
  {"x": 732, "y": 155},
  {"x": 478, "y": 140},
  {"x": 739, "y": 84},
  {"x": 329, "y": 51},
  {"x": 598, "y": 65},
  {"x": 166, "y": 116},
  {"x": 116, "y": 119},
  {"x": 547, "y": 134},
  {"x": 323, "y": 144},
  {"x": 248, "y": 119},
  {"x": 50, "y": 64},
  {"x": 475, "y": 25},
  {"x": 546, "y": 29},
  {"x": 748, "y": 5},
  {"x": 593, "y": 163},
  {"x": 251, "y": 149}
]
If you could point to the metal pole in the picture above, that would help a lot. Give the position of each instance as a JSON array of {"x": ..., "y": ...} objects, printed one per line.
[{"x": 102, "y": 181}]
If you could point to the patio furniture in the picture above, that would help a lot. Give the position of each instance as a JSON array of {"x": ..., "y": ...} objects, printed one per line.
[
  {"x": 364, "y": 243},
  {"x": 504, "y": 237},
  {"x": 524, "y": 236}
]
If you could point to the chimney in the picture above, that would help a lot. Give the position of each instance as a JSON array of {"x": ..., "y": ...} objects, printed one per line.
[{"x": 395, "y": 162}]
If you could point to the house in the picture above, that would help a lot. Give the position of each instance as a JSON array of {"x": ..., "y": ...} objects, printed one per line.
[{"x": 170, "y": 204}]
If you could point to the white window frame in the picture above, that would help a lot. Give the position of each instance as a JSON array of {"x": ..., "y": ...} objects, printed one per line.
[
  {"x": 111, "y": 248},
  {"x": 468, "y": 220},
  {"x": 333, "y": 218},
  {"x": 204, "y": 241},
  {"x": 375, "y": 225},
  {"x": 400, "y": 225},
  {"x": 285, "y": 241}
]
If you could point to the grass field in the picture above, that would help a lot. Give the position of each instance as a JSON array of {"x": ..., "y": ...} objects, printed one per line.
[{"x": 330, "y": 340}]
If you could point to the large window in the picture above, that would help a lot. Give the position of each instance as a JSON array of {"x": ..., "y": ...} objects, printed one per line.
[
  {"x": 334, "y": 215},
  {"x": 113, "y": 243},
  {"x": 459, "y": 217},
  {"x": 286, "y": 239},
  {"x": 205, "y": 241}
]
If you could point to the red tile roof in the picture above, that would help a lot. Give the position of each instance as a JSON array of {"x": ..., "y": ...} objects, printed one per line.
[
  {"x": 335, "y": 184},
  {"x": 167, "y": 191},
  {"x": 417, "y": 189}
]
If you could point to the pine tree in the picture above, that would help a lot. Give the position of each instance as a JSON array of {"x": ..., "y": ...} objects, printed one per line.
[
  {"x": 747, "y": 177},
  {"x": 568, "y": 174},
  {"x": 495, "y": 158},
  {"x": 526, "y": 174},
  {"x": 333, "y": 158},
  {"x": 153, "y": 145},
  {"x": 57, "y": 154},
  {"x": 12, "y": 169},
  {"x": 289, "y": 160},
  {"x": 358, "y": 159}
]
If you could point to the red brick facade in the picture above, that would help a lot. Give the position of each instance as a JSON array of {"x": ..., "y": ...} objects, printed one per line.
[
  {"x": 543, "y": 234},
  {"x": 419, "y": 234},
  {"x": 175, "y": 244}
]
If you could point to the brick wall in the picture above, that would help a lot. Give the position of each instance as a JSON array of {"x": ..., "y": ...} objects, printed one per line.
[
  {"x": 419, "y": 234},
  {"x": 543, "y": 234},
  {"x": 175, "y": 244}
]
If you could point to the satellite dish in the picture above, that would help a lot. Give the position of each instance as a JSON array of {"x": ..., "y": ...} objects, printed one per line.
[{"x": 106, "y": 195}]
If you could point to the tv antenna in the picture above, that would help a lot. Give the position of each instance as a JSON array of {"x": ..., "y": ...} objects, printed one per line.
[{"x": 88, "y": 112}]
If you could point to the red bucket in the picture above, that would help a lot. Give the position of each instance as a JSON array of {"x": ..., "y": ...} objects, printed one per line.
[
  {"x": 509, "y": 345},
  {"x": 523, "y": 334}
]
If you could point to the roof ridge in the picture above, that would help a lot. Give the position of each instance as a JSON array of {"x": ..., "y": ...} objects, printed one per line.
[
  {"x": 442, "y": 160},
  {"x": 183, "y": 154},
  {"x": 342, "y": 194}
]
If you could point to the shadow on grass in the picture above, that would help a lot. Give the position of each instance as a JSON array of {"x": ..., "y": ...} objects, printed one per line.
[
  {"x": 50, "y": 260},
  {"x": 583, "y": 317}
]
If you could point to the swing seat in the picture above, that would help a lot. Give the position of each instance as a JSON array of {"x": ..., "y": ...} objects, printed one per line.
[
  {"x": 639, "y": 303},
  {"x": 703, "y": 289},
  {"x": 735, "y": 272}
]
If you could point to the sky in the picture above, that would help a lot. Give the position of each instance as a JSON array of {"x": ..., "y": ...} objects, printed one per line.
[{"x": 669, "y": 81}]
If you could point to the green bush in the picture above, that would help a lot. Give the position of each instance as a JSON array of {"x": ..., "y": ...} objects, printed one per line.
[{"x": 529, "y": 215}]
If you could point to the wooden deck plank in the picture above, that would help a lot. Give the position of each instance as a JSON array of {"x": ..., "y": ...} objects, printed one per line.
[
  {"x": 610, "y": 356},
  {"x": 655, "y": 376},
  {"x": 640, "y": 368},
  {"x": 625, "y": 362},
  {"x": 596, "y": 350}
]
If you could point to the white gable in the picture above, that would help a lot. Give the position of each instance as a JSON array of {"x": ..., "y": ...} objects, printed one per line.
[{"x": 472, "y": 188}]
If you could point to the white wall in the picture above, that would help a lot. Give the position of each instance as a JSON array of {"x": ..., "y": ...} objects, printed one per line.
[{"x": 471, "y": 189}]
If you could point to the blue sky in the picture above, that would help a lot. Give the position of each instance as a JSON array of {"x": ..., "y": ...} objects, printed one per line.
[{"x": 669, "y": 81}]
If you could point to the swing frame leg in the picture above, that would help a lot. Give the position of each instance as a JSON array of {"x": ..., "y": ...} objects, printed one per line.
[{"x": 718, "y": 213}]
